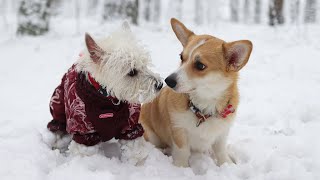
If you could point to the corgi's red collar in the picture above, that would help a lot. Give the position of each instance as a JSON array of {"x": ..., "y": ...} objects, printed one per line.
[{"x": 203, "y": 117}]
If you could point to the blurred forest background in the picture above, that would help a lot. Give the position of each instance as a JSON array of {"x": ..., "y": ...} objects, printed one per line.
[{"x": 33, "y": 17}]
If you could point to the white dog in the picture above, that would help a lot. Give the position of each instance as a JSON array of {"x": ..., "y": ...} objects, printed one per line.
[{"x": 99, "y": 97}]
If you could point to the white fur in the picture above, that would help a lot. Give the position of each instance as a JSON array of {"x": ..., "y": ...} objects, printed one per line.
[
  {"x": 183, "y": 82},
  {"x": 196, "y": 46},
  {"x": 211, "y": 135},
  {"x": 122, "y": 53},
  {"x": 204, "y": 92},
  {"x": 181, "y": 155},
  {"x": 200, "y": 138},
  {"x": 208, "y": 90}
]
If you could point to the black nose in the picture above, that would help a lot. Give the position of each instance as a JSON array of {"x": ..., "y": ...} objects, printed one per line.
[
  {"x": 171, "y": 80},
  {"x": 158, "y": 86}
]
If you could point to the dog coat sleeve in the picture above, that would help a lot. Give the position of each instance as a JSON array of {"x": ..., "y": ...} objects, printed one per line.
[
  {"x": 89, "y": 139},
  {"x": 134, "y": 129},
  {"x": 57, "y": 109}
]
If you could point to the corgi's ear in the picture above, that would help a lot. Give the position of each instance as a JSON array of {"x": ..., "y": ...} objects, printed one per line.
[
  {"x": 95, "y": 51},
  {"x": 182, "y": 33},
  {"x": 237, "y": 54}
]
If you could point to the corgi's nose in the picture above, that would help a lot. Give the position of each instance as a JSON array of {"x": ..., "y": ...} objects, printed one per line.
[
  {"x": 158, "y": 86},
  {"x": 171, "y": 80}
]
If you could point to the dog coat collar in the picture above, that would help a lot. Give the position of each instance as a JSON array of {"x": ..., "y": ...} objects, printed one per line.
[
  {"x": 97, "y": 86},
  {"x": 94, "y": 83},
  {"x": 203, "y": 117}
]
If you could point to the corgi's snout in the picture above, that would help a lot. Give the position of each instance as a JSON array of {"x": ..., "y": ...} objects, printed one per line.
[{"x": 171, "y": 80}]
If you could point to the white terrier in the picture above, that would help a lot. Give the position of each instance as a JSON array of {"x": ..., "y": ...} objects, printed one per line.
[{"x": 99, "y": 97}]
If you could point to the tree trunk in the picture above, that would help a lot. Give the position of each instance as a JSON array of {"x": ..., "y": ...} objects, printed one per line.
[
  {"x": 92, "y": 7},
  {"x": 111, "y": 9},
  {"x": 199, "y": 12},
  {"x": 246, "y": 11},
  {"x": 131, "y": 10},
  {"x": 120, "y": 9},
  {"x": 234, "y": 6},
  {"x": 294, "y": 10},
  {"x": 276, "y": 12},
  {"x": 310, "y": 11},
  {"x": 257, "y": 12},
  {"x": 177, "y": 8},
  {"x": 147, "y": 10},
  {"x": 4, "y": 13},
  {"x": 77, "y": 16},
  {"x": 157, "y": 11}
]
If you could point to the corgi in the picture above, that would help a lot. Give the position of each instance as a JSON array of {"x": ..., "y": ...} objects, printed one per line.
[{"x": 195, "y": 111}]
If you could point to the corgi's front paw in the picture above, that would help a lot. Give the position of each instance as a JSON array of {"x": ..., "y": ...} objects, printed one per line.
[
  {"x": 181, "y": 162},
  {"x": 82, "y": 150},
  {"x": 181, "y": 156},
  {"x": 222, "y": 159}
]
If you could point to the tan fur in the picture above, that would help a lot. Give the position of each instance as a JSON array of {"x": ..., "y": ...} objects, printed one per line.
[{"x": 164, "y": 117}]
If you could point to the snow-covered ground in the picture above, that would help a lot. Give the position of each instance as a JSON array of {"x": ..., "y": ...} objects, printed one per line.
[{"x": 276, "y": 134}]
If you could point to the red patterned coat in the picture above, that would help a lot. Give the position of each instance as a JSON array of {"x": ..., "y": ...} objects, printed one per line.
[{"x": 78, "y": 108}]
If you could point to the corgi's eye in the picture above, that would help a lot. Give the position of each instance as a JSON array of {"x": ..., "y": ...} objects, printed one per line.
[
  {"x": 133, "y": 72},
  {"x": 199, "y": 66}
]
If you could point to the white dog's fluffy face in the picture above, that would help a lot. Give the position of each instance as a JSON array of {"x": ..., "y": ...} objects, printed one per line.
[{"x": 123, "y": 68}]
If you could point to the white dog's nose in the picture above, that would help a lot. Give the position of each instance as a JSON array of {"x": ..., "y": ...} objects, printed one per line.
[{"x": 158, "y": 86}]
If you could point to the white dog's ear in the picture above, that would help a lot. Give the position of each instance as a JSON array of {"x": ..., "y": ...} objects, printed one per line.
[
  {"x": 237, "y": 54},
  {"x": 182, "y": 33},
  {"x": 125, "y": 26},
  {"x": 95, "y": 51}
]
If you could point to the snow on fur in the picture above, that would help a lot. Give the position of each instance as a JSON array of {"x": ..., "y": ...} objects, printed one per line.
[{"x": 123, "y": 52}]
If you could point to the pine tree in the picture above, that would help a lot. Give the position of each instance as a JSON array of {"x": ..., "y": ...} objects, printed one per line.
[
  {"x": 310, "y": 11},
  {"x": 147, "y": 10},
  {"x": 112, "y": 9},
  {"x": 3, "y": 10},
  {"x": 156, "y": 11},
  {"x": 199, "y": 12},
  {"x": 276, "y": 12},
  {"x": 234, "y": 6},
  {"x": 92, "y": 7},
  {"x": 294, "y": 10},
  {"x": 257, "y": 12},
  {"x": 175, "y": 6},
  {"x": 131, "y": 10},
  {"x": 119, "y": 9},
  {"x": 246, "y": 11},
  {"x": 34, "y": 17},
  {"x": 77, "y": 15}
]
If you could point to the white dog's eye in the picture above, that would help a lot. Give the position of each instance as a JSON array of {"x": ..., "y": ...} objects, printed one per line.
[
  {"x": 181, "y": 57},
  {"x": 133, "y": 72}
]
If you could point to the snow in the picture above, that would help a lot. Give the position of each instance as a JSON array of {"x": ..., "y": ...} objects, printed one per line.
[{"x": 275, "y": 135}]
